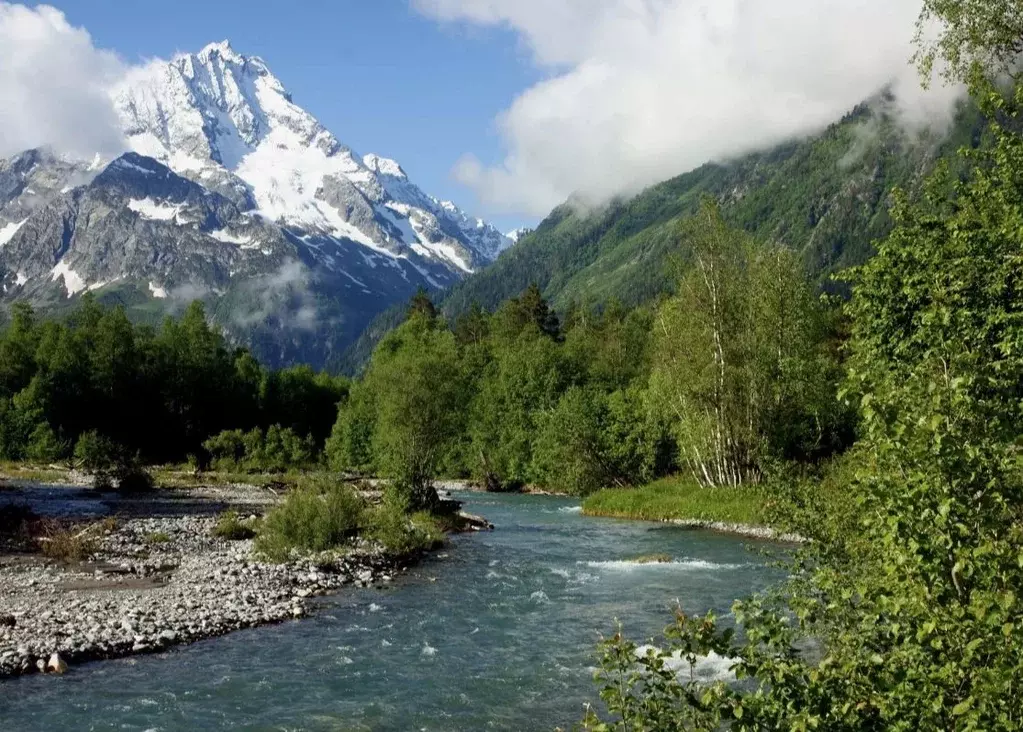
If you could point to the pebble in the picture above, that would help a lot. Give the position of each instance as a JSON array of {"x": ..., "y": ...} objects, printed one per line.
[{"x": 141, "y": 597}]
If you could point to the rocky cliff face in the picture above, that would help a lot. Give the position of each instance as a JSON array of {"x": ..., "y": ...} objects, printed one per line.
[{"x": 232, "y": 193}]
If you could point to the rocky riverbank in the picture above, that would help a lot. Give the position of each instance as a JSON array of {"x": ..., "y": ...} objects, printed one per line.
[
  {"x": 763, "y": 533},
  {"x": 153, "y": 582}
]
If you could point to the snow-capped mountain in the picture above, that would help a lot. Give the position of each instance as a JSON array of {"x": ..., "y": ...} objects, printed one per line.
[{"x": 232, "y": 192}]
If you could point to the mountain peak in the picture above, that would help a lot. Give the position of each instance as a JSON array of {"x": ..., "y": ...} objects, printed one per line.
[
  {"x": 225, "y": 121},
  {"x": 222, "y": 49}
]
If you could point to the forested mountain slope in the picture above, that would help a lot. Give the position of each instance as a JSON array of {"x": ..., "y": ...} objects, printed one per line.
[{"x": 826, "y": 196}]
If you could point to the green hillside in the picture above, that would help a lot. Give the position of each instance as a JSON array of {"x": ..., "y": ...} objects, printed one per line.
[{"x": 826, "y": 196}]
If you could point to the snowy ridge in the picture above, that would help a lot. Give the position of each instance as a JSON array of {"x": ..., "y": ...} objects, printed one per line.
[{"x": 224, "y": 120}]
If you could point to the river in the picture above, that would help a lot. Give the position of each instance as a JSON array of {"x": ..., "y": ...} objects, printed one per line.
[{"x": 496, "y": 633}]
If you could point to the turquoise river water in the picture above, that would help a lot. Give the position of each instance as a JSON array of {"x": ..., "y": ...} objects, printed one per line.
[{"x": 499, "y": 634}]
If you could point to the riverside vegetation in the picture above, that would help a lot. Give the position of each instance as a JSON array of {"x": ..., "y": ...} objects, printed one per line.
[{"x": 904, "y": 612}]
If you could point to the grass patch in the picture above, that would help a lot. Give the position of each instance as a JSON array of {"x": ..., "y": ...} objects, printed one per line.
[
  {"x": 232, "y": 527},
  {"x": 158, "y": 537},
  {"x": 32, "y": 473},
  {"x": 676, "y": 498},
  {"x": 70, "y": 544}
]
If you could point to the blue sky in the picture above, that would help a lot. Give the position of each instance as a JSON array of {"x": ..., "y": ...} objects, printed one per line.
[{"x": 381, "y": 77}]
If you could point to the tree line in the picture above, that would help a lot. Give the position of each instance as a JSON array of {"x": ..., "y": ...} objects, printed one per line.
[
  {"x": 736, "y": 372},
  {"x": 158, "y": 394}
]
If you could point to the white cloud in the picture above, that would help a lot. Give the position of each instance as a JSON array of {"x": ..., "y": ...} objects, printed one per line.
[
  {"x": 53, "y": 85},
  {"x": 642, "y": 90}
]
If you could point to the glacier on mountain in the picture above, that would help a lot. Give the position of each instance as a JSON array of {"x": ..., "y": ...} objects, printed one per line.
[{"x": 225, "y": 121}]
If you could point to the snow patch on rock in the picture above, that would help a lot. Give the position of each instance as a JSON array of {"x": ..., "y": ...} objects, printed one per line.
[
  {"x": 147, "y": 208},
  {"x": 7, "y": 232},
  {"x": 225, "y": 236},
  {"x": 73, "y": 283}
]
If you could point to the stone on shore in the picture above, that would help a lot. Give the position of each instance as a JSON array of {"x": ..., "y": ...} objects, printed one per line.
[
  {"x": 56, "y": 665},
  {"x": 140, "y": 596}
]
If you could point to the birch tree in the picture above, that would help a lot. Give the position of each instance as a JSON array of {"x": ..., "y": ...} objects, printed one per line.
[{"x": 740, "y": 368}]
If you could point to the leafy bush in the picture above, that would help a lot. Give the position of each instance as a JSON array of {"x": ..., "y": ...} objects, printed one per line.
[
  {"x": 401, "y": 533},
  {"x": 97, "y": 454},
  {"x": 226, "y": 448},
  {"x": 317, "y": 516},
  {"x": 231, "y": 527},
  {"x": 130, "y": 476},
  {"x": 279, "y": 449},
  {"x": 282, "y": 449}
]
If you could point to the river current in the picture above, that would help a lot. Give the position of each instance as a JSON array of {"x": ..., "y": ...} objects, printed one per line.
[{"x": 498, "y": 632}]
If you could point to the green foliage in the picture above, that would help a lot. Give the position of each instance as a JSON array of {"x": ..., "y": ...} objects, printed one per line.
[
  {"x": 226, "y": 448},
  {"x": 593, "y": 440},
  {"x": 111, "y": 465},
  {"x": 614, "y": 396},
  {"x": 316, "y": 517},
  {"x": 232, "y": 527},
  {"x": 350, "y": 446},
  {"x": 965, "y": 39},
  {"x": 422, "y": 306},
  {"x": 158, "y": 393},
  {"x": 524, "y": 380},
  {"x": 282, "y": 448},
  {"x": 300, "y": 400},
  {"x": 399, "y": 532},
  {"x": 96, "y": 453},
  {"x": 418, "y": 402},
  {"x": 323, "y": 515},
  {"x": 742, "y": 370},
  {"x": 43, "y": 445}
]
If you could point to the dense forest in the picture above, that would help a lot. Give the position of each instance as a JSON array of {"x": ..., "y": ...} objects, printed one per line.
[
  {"x": 734, "y": 373},
  {"x": 157, "y": 394}
]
